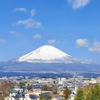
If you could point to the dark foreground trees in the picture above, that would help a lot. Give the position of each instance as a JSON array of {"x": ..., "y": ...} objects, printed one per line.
[
  {"x": 48, "y": 98},
  {"x": 5, "y": 89},
  {"x": 79, "y": 95},
  {"x": 41, "y": 97},
  {"x": 88, "y": 94},
  {"x": 66, "y": 94}
]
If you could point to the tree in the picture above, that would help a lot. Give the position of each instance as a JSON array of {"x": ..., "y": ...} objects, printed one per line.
[
  {"x": 66, "y": 93},
  {"x": 21, "y": 84},
  {"x": 94, "y": 93},
  {"x": 48, "y": 98},
  {"x": 79, "y": 95},
  {"x": 55, "y": 90},
  {"x": 5, "y": 89},
  {"x": 41, "y": 96},
  {"x": 85, "y": 92},
  {"x": 47, "y": 88}
]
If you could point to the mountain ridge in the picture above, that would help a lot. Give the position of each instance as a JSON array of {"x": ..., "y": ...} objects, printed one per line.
[{"x": 57, "y": 62}]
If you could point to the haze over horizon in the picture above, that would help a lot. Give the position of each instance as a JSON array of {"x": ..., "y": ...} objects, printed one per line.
[{"x": 72, "y": 26}]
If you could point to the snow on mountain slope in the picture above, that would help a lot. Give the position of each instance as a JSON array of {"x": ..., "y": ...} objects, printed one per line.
[{"x": 46, "y": 54}]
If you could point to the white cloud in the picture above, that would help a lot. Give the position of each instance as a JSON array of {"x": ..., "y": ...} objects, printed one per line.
[
  {"x": 29, "y": 23},
  {"x": 37, "y": 36},
  {"x": 2, "y": 41},
  {"x": 32, "y": 12},
  {"x": 12, "y": 32},
  {"x": 96, "y": 47},
  {"x": 20, "y": 9},
  {"x": 88, "y": 61},
  {"x": 51, "y": 41},
  {"x": 78, "y": 3},
  {"x": 15, "y": 33},
  {"x": 82, "y": 42},
  {"x": 91, "y": 49}
]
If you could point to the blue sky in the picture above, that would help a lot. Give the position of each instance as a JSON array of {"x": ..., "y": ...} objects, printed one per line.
[{"x": 72, "y": 26}]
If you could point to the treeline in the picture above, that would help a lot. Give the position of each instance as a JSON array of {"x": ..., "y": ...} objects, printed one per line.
[
  {"x": 50, "y": 88},
  {"x": 88, "y": 93},
  {"x": 5, "y": 89}
]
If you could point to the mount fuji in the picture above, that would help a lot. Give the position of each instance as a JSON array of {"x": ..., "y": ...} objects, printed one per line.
[
  {"x": 48, "y": 59},
  {"x": 46, "y": 54}
]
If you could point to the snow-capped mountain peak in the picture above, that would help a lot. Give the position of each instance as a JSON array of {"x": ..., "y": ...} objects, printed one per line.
[{"x": 45, "y": 53}]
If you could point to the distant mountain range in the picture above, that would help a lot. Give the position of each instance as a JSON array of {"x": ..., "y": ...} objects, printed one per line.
[{"x": 49, "y": 59}]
